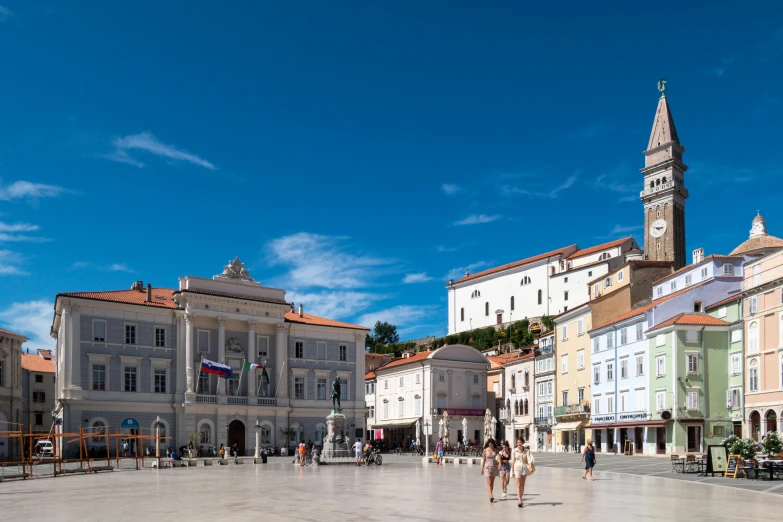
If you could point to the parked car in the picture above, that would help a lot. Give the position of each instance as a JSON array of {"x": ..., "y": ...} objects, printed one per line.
[{"x": 44, "y": 448}]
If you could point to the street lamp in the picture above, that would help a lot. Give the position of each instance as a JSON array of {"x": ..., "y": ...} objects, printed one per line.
[
  {"x": 228, "y": 447},
  {"x": 513, "y": 429},
  {"x": 427, "y": 437},
  {"x": 258, "y": 439}
]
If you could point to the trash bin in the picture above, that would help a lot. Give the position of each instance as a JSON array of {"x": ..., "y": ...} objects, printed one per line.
[{"x": 263, "y": 458}]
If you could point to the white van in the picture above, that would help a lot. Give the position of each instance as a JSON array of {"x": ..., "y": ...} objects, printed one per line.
[{"x": 46, "y": 448}]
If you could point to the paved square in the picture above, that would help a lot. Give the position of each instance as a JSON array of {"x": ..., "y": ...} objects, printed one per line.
[{"x": 402, "y": 488}]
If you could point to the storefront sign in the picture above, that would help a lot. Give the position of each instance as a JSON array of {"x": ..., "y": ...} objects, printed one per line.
[
  {"x": 129, "y": 423},
  {"x": 461, "y": 413},
  {"x": 640, "y": 415},
  {"x": 602, "y": 418}
]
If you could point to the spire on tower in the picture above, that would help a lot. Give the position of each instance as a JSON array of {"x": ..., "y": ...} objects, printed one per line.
[{"x": 663, "y": 130}]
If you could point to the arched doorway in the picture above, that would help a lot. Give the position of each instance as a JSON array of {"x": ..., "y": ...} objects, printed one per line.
[
  {"x": 755, "y": 425},
  {"x": 772, "y": 421},
  {"x": 236, "y": 433}
]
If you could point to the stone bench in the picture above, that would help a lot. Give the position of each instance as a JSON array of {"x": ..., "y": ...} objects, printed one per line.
[{"x": 454, "y": 460}]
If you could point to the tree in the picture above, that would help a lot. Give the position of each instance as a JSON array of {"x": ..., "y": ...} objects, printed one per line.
[
  {"x": 548, "y": 323},
  {"x": 385, "y": 333}
]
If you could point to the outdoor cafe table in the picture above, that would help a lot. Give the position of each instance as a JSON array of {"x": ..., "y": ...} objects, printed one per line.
[{"x": 771, "y": 465}]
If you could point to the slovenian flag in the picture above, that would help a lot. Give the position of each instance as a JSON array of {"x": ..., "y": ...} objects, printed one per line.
[
  {"x": 221, "y": 370},
  {"x": 252, "y": 366}
]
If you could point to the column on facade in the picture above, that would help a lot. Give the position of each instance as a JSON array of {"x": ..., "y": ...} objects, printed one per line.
[
  {"x": 450, "y": 390},
  {"x": 252, "y": 377},
  {"x": 76, "y": 345},
  {"x": 180, "y": 356},
  {"x": 189, "y": 318},
  {"x": 67, "y": 345},
  {"x": 281, "y": 359},
  {"x": 221, "y": 345},
  {"x": 468, "y": 397},
  {"x": 360, "y": 369}
]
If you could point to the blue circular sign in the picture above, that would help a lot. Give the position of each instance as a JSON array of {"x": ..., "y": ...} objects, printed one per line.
[{"x": 129, "y": 423}]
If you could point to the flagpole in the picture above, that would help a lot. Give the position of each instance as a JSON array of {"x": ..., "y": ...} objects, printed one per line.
[
  {"x": 198, "y": 382},
  {"x": 277, "y": 389},
  {"x": 258, "y": 388},
  {"x": 239, "y": 385}
]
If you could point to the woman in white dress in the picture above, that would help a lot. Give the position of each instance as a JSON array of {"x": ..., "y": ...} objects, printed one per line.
[{"x": 522, "y": 465}]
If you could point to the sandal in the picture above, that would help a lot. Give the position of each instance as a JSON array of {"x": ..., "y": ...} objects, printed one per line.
[
  {"x": 491, "y": 500},
  {"x": 519, "y": 505}
]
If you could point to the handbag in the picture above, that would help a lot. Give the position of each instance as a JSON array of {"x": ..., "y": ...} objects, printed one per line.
[{"x": 531, "y": 468}]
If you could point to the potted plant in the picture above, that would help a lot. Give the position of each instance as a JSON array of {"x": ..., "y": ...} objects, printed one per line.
[
  {"x": 729, "y": 442},
  {"x": 773, "y": 444},
  {"x": 745, "y": 448}
]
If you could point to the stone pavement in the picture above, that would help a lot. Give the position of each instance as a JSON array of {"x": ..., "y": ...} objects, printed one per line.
[{"x": 403, "y": 488}]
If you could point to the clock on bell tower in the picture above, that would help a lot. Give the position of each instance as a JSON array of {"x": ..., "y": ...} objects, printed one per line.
[{"x": 664, "y": 191}]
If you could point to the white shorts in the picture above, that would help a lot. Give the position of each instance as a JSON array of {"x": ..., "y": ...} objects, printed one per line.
[
  {"x": 520, "y": 470},
  {"x": 358, "y": 454}
]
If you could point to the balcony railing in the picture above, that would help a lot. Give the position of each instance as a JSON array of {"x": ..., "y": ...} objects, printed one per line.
[
  {"x": 207, "y": 399},
  {"x": 762, "y": 278},
  {"x": 657, "y": 188},
  {"x": 237, "y": 400},
  {"x": 266, "y": 401},
  {"x": 571, "y": 409},
  {"x": 542, "y": 420}
]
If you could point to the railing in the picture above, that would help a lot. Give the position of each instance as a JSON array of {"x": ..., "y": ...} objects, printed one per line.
[
  {"x": 266, "y": 401},
  {"x": 512, "y": 391},
  {"x": 657, "y": 188},
  {"x": 762, "y": 278},
  {"x": 542, "y": 420},
  {"x": 571, "y": 409},
  {"x": 237, "y": 400},
  {"x": 505, "y": 414},
  {"x": 207, "y": 399}
]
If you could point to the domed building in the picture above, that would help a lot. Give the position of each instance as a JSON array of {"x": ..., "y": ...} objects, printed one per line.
[{"x": 760, "y": 242}]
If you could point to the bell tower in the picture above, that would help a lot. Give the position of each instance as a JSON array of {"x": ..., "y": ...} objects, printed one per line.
[{"x": 664, "y": 191}]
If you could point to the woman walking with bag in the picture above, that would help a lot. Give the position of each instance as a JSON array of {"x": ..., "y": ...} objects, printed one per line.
[
  {"x": 522, "y": 465},
  {"x": 505, "y": 466},
  {"x": 490, "y": 466},
  {"x": 588, "y": 457}
]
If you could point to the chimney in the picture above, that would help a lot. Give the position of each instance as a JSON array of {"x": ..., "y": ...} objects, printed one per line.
[
  {"x": 467, "y": 272},
  {"x": 698, "y": 255},
  {"x": 301, "y": 310},
  {"x": 138, "y": 286},
  {"x": 451, "y": 282},
  {"x": 149, "y": 294}
]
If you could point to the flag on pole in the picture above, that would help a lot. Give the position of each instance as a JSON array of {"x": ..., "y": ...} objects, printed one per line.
[
  {"x": 253, "y": 366},
  {"x": 221, "y": 370}
]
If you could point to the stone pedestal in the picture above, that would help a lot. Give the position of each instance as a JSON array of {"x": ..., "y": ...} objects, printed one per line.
[{"x": 336, "y": 441}]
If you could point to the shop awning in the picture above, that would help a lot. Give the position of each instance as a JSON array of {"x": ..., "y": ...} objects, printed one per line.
[
  {"x": 657, "y": 423},
  {"x": 598, "y": 426},
  {"x": 393, "y": 423},
  {"x": 567, "y": 426}
]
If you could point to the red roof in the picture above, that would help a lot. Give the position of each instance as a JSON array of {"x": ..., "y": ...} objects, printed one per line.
[
  {"x": 642, "y": 309},
  {"x": 420, "y": 356},
  {"x": 161, "y": 297},
  {"x": 36, "y": 363},
  {"x": 369, "y": 375},
  {"x": 598, "y": 248},
  {"x": 728, "y": 300},
  {"x": 235, "y": 296},
  {"x": 9, "y": 332},
  {"x": 684, "y": 319},
  {"x": 293, "y": 317},
  {"x": 497, "y": 361},
  {"x": 686, "y": 267},
  {"x": 553, "y": 253}
]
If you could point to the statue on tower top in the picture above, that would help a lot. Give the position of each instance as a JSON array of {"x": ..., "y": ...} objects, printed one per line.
[{"x": 662, "y": 87}]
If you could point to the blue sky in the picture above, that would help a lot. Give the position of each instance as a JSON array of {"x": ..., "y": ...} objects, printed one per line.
[{"x": 360, "y": 153}]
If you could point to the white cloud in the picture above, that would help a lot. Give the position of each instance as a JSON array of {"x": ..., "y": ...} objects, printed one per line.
[
  {"x": 450, "y": 189},
  {"x": 8, "y": 233},
  {"x": 9, "y": 262},
  {"x": 26, "y": 189},
  {"x": 114, "y": 267},
  {"x": 5, "y": 13},
  {"x": 420, "y": 277},
  {"x": 334, "y": 305},
  {"x": 459, "y": 272},
  {"x": 32, "y": 319},
  {"x": 147, "y": 142},
  {"x": 477, "y": 219},
  {"x": 399, "y": 316},
  {"x": 17, "y": 227},
  {"x": 536, "y": 192},
  {"x": 321, "y": 261},
  {"x": 620, "y": 231}
]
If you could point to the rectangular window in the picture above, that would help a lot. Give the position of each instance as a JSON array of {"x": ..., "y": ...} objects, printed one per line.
[
  {"x": 386, "y": 384},
  {"x": 160, "y": 337},
  {"x": 344, "y": 389},
  {"x": 623, "y": 402},
  {"x": 418, "y": 378},
  {"x": 99, "y": 331},
  {"x": 609, "y": 341},
  {"x": 581, "y": 395},
  {"x": 564, "y": 364},
  {"x": 693, "y": 400},
  {"x": 693, "y": 363},
  {"x": 98, "y": 376},
  {"x": 580, "y": 359},
  {"x": 233, "y": 384},
  {"x": 564, "y": 333},
  {"x": 736, "y": 398},
  {"x": 728, "y": 269},
  {"x": 691, "y": 336},
  {"x": 623, "y": 336},
  {"x": 299, "y": 389},
  {"x": 39, "y": 396},
  {"x": 130, "y": 378},
  {"x": 402, "y": 381},
  {"x": 639, "y": 365},
  {"x": 38, "y": 419},
  {"x": 475, "y": 379},
  {"x": 262, "y": 343},
  {"x": 203, "y": 383},
  {"x": 580, "y": 327},
  {"x": 610, "y": 404},
  {"x": 704, "y": 273},
  {"x": 130, "y": 334},
  {"x": 697, "y": 306},
  {"x": 565, "y": 398},
  {"x": 321, "y": 349},
  {"x": 596, "y": 406},
  {"x": 597, "y": 374},
  {"x": 299, "y": 349},
  {"x": 609, "y": 371},
  {"x": 203, "y": 341},
  {"x": 722, "y": 312},
  {"x": 385, "y": 410},
  {"x": 753, "y": 382},
  {"x": 753, "y": 304},
  {"x": 401, "y": 409},
  {"x": 639, "y": 333},
  {"x": 160, "y": 380},
  {"x": 639, "y": 394},
  {"x": 442, "y": 377},
  {"x": 688, "y": 279},
  {"x": 565, "y": 295},
  {"x": 607, "y": 282},
  {"x": 736, "y": 364},
  {"x": 371, "y": 412},
  {"x": 624, "y": 368},
  {"x": 320, "y": 388},
  {"x": 660, "y": 401},
  {"x": 39, "y": 378},
  {"x": 673, "y": 286},
  {"x": 462, "y": 314},
  {"x": 343, "y": 352},
  {"x": 659, "y": 291},
  {"x": 595, "y": 344},
  {"x": 620, "y": 275},
  {"x": 660, "y": 366},
  {"x": 660, "y": 340},
  {"x": 596, "y": 289}
]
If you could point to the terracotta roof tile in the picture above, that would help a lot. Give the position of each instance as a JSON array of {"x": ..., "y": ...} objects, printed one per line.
[
  {"x": 598, "y": 248},
  {"x": 234, "y": 296},
  {"x": 9, "y": 332},
  {"x": 420, "y": 356},
  {"x": 161, "y": 297},
  {"x": 684, "y": 319},
  {"x": 692, "y": 265},
  {"x": 35, "y": 363},
  {"x": 724, "y": 301},
  {"x": 640, "y": 310},
  {"x": 369, "y": 375},
  {"x": 293, "y": 317},
  {"x": 553, "y": 253}
]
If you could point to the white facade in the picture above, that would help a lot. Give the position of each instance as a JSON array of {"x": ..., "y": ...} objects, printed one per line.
[
  {"x": 519, "y": 408},
  {"x": 547, "y": 284},
  {"x": 544, "y": 383},
  {"x": 411, "y": 394},
  {"x": 620, "y": 382}
]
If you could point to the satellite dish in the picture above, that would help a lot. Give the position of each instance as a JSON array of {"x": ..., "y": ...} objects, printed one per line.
[{"x": 666, "y": 415}]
